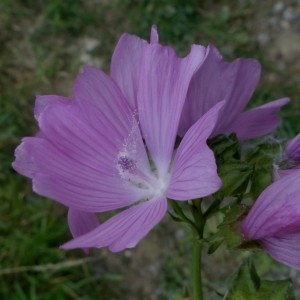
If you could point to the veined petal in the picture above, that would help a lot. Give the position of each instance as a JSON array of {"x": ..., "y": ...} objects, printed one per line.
[
  {"x": 276, "y": 211},
  {"x": 292, "y": 149},
  {"x": 285, "y": 248},
  {"x": 125, "y": 65},
  {"x": 73, "y": 177},
  {"x": 24, "y": 162},
  {"x": 164, "y": 80},
  {"x": 81, "y": 222},
  {"x": 41, "y": 102},
  {"x": 100, "y": 104},
  {"x": 258, "y": 121},
  {"x": 125, "y": 229},
  {"x": 215, "y": 81},
  {"x": 75, "y": 158},
  {"x": 284, "y": 172},
  {"x": 194, "y": 172}
]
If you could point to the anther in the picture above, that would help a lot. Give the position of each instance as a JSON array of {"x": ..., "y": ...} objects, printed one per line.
[{"x": 126, "y": 164}]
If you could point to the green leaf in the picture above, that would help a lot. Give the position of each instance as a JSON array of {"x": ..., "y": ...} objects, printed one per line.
[
  {"x": 234, "y": 172},
  {"x": 229, "y": 228},
  {"x": 235, "y": 176},
  {"x": 213, "y": 247},
  {"x": 245, "y": 284},
  {"x": 231, "y": 237},
  {"x": 248, "y": 286},
  {"x": 275, "y": 290},
  {"x": 222, "y": 144},
  {"x": 262, "y": 157},
  {"x": 261, "y": 179}
]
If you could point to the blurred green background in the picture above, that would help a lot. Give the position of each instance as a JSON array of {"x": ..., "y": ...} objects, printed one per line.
[{"x": 44, "y": 44}]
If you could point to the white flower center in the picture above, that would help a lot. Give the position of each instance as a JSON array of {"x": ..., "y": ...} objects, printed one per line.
[{"x": 130, "y": 171}]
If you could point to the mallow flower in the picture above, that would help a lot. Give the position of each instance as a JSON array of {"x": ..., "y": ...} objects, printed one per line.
[
  {"x": 217, "y": 80},
  {"x": 274, "y": 220},
  {"x": 111, "y": 145}
]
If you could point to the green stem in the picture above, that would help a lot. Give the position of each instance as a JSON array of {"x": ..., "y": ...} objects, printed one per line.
[
  {"x": 196, "y": 270},
  {"x": 197, "y": 250}
]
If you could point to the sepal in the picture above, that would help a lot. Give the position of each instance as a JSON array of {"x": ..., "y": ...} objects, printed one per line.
[
  {"x": 234, "y": 172},
  {"x": 262, "y": 157},
  {"x": 229, "y": 229},
  {"x": 248, "y": 286}
]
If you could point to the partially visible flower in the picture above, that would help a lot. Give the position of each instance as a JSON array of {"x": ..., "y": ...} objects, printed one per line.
[
  {"x": 111, "y": 145},
  {"x": 274, "y": 220},
  {"x": 235, "y": 82},
  {"x": 292, "y": 152},
  {"x": 290, "y": 158}
]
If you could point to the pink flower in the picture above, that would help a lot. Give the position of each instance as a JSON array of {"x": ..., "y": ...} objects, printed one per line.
[
  {"x": 234, "y": 82},
  {"x": 292, "y": 151},
  {"x": 290, "y": 158},
  {"x": 274, "y": 220},
  {"x": 111, "y": 145}
]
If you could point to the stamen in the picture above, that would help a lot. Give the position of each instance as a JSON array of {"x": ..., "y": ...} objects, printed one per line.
[
  {"x": 133, "y": 171},
  {"x": 129, "y": 171},
  {"x": 126, "y": 164}
]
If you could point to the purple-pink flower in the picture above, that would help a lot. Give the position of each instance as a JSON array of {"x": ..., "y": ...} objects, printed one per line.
[
  {"x": 274, "y": 220},
  {"x": 111, "y": 145},
  {"x": 290, "y": 158},
  {"x": 292, "y": 152}
]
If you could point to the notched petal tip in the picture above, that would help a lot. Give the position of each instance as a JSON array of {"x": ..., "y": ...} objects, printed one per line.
[
  {"x": 24, "y": 163},
  {"x": 87, "y": 70},
  {"x": 42, "y": 102},
  {"x": 211, "y": 48},
  {"x": 154, "y": 37}
]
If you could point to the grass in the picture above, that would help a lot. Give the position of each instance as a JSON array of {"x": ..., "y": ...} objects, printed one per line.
[{"x": 42, "y": 45}]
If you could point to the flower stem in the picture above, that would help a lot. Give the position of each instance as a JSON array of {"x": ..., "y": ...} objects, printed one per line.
[
  {"x": 197, "y": 250},
  {"x": 196, "y": 270}
]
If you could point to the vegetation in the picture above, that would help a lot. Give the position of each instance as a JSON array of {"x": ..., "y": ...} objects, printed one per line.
[{"x": 44, "y": 43}]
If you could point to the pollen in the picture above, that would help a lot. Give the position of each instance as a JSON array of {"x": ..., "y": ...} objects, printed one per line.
[{"x": 126, "y": 164}]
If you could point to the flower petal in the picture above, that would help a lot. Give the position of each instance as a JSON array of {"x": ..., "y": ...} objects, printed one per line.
[
  {"x": 81, "y": 222},
  {"x": 194, "y": 172},
  {"x": 164, "y": 79},
  {"x": 285, "y": 248},
  {"x": 73, "y": 177},
  {"x": 258, "y": 121},
  {"x": 41, "y": 102},
  {"x": 215, "y": 81},
  {"x": 125, "y": 229},
  {"x": 75, "y": 159},
  {"x": 24, "y": 163},
  {"x": 125, "y": 65},
  {"x": 276, "y": 211},
  {"x": 101, "y": 104},
  {"x": 278, "y": 173},
  {"x": 292, "y": 149}
]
